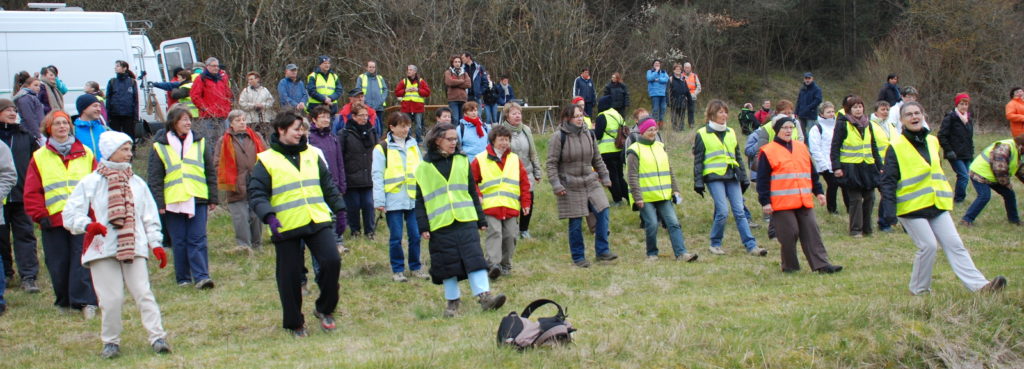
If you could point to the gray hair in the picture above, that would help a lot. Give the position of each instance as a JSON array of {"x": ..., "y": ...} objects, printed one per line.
[
  {"x": 235, "y": 113},
  {"x": 211, "y": 60},
  {"x": 414, "y": 68},
  {"x": 825, "y": 105}
]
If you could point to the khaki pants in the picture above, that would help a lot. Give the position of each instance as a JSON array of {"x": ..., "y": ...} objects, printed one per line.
[
  {"x": 501, "y": 240},
  {"x": 110, "y": 277}
]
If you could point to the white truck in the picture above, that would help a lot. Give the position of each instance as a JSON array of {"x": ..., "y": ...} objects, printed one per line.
[{"x": 84, "y": 46}]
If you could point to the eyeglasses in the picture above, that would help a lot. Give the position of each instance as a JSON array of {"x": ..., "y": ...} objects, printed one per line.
[
  {"x": 363, "y": 115},
  {"x": 452, "y": 139}
]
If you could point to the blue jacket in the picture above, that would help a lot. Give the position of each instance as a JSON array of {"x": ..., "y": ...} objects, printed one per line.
[
  {"x": 656, "y": 82},
  {"x": 167, "y": 86},
  {"x": 291, "y": 93},
  {"x": 88, "y": 133},
  {"x": 123, "y": 96},
  {"x": 808, "y": 101},
  {"x": 376, "y": 95},
  {"x": 397, "y": 200},
  {"x": 584, "y": 88},
  {"x": 479, "y": 79},
  {"x": 471, "y": 143},
  {"x": 502, "y": 98}
]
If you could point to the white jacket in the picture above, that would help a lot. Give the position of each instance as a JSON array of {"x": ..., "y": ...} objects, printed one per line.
[
  {"x": 249, "y": 98},
  {"x": 819, "y": 142},
  {"x": 91, "y": 193}
]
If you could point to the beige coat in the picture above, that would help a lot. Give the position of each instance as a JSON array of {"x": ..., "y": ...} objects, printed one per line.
[
  {"x": 577, "y": 169},
  {"x": 249, "y": 98}
]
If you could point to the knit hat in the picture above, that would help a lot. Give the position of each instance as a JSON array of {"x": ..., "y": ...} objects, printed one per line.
[
  {"x": 576, "y": 100},
  {"x": 5, "y": 103},
  {"x": 647, "y": 124},
  {"x": 961, "y": 97},
  {"x": 110, "y": 141},
  {"x": 777, "y": 126},
  {"x": 322, "y": 58},
  {"x": 84, "y": 102}
]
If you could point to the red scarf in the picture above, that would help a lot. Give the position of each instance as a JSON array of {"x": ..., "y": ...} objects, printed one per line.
[
  {"x": 227, "y": 171},
  {"x": 476, "y": 123}
]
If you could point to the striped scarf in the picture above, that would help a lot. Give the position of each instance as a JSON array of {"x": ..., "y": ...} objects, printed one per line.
[{"x": 120, "y": 209}]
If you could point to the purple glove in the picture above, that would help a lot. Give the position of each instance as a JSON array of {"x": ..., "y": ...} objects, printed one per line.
[{"x": 274, "y": 224}]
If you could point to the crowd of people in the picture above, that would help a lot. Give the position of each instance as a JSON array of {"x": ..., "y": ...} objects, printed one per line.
[{"x": 314, "y": 171}]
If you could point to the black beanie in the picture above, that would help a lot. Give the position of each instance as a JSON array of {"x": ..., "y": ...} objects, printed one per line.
[
  {"x": 84, "y": 102},
  {"x": 779, "y": 122}
]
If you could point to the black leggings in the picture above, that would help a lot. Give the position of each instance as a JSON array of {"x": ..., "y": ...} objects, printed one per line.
[
  {"x": 613, "y": 161},
  {"x": 830, "y": 192},
  {"x": 124, "y": 124},
  {"x": 524, "y": 219}
]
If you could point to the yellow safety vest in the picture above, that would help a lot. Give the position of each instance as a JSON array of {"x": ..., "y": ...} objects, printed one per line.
[
  {"x": 184, "y": 177},
  {"x": 588, "y": 122},
  {"x": 884, "y": 140},
  {"x": 324, "y": 87},
  {"x": 58, "y": 181},
  {"x": 770, "y": 129},
  {"x": 187, "y": 101},
  {"x": 921, "y": 184},
  {"x": 653, "y": 172},
  {"x": 718, "y": 155},
  {"x": 856, "y": 148},
  {"x": 380, "y": 83},
  {"x": 295, "y": 192},
  {"x": 499, "y": 187},
  {"x": 612, "y": 121},
  {"x": 400, "y": 173},
  {"x": 983, "y": 168},
  {"x": 411, "y": 96},
  {"x": 446, "y": 200}
]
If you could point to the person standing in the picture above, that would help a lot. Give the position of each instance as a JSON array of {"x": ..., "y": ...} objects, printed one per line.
[
  {"x": 236, "y": 156},
  {"x": 505, "y": 95},
  {"x": 449, "y": 215},
  {"x": 53, "y": 172},
  {"x": 123, "y": 99},
  {"x": 375, "y": 92},
  {"x": 819, "y": 142},
  {"x": 413, "y": 92},
  {"x": 856, "y": 164},
  {"x": 1015, "y": 111},
  {"x": 657, "y": 80},
  {"x": 477, "y": 76},
  {"x": 993, "y": 171},
  {"x": 394, "y": 193},
  {"x": 17, "y": 223},
  {"x": 291, "y": 91},
  {"x": 890, "y": 91},
  {"x": 29, "y": 107},
  {"x": 583, "y": 87},
  {"x": 256, "y": 101},
  {"x": 956, "y": 135},
  {"x": 321, "y": 137},
  {"x": 918, "y": 195},
  {"x": 489, "y": 101},
  {"x": 618, "y": 92},
  {"x": 472, "y": 130},
  {"x": 786, "y": 187},
  {"x": 49, "y": 92},
  {"x": 807, "y": 102},
  {"x": 291, "y": 190},
  {"x": 504, "y": 191},
  {"x": 89, "y": 125},
  {"x": 693, "y": 84},
  {"x": 577, "y": 173},
  {"x": 680, "y": 97},
  {"x": 183, "y": 176},
  {"x": 524, "y": 147},
  {"x": 323, "y": 86},
  {"x": 457, "y": 81},
  {"x": 211, "y": 94},
  {"x": 115, "y": 210},
  {"x": 357, "y": 142},
  {"x": 607, "y": 132},
  {"x": 8, "y": 178}
]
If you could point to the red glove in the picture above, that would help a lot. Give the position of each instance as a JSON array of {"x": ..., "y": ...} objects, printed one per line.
[
  {"x": 91, "y": 231},
  {"x": 160, "y": 255}
]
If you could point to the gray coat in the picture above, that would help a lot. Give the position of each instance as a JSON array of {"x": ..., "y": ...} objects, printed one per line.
[
  {"x": 577, "y": 169},
  {"x": 8, "y": 174},
  {"x": 526, "y": 149}
]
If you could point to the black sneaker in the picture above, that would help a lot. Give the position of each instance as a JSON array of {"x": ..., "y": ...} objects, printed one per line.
[
  {"x": 494, "y": 272},
  {"x": 607, "y": 257},
  {"x": 582, "y": 263},
  {"x": 829, "y": 269},
  {"x": 110, "y": 351},
  {"x": 326, "y": 321},
  {"x": 161, "y": 346},
  {"x": 299, "y": 333}
]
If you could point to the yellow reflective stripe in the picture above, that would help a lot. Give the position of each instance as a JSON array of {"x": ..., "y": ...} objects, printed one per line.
[
  {"x": 654, "y": 174},
  {"x": 60, "y": 184},
  {"x": 656, "y": 188},
  {"x": 55, "y": 199},
  {"x": 313, "y": 200},
  {"x": 922, "y": 192},
  {"x": 502, "y": 194},
  {"x": 296, "y": 185},
  {"x": 454, "y": 206},
  {"x": 442, "y": 190}
]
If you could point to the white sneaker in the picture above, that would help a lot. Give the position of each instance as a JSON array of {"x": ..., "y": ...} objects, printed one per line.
[
  {"x": 422, "y": 274},
  {"x": 89, "y": 312},
  {"x": 717, "y": 250},
  {"x": 758, "y": 251},
  {"x": 399, "y": 277}
]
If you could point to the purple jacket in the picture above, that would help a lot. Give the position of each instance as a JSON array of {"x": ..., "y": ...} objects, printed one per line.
[
  {"x": 327, "y": 142},
  {"x": 30, "y": 109}
]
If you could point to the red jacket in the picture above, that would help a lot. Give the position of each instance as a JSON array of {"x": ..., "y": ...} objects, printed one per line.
[
  {"x": 347, "y": 109},
  {"x": 35, "y": 203},
  {"x": 762, "y": 116},
  {"x": 409, "y": 106},
  {"x": 213, "y": 98},
  {"x": 525, "y": 199}
]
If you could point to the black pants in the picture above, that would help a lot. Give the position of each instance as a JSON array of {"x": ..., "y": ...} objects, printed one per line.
[
  {"x": 124, "y": 124},
  {"x": 832, "y": 189},
  {"x": 613, "y": 161},
  {"x": 290, "y": 272},
  {"x": 524, "y": 219},
  {"x": 72, "y": 283},
  {"x": 682, "y": 104},
  {"x": 24, "y": 248},
  {"x": 588, "y": 108}
]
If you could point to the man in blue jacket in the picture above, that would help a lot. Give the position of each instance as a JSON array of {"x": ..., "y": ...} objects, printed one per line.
[
  {"x": 478, "y": 74},
  {"x": 292, "y": 90},
  {"x": 807, "y": 103},
  {"x": 584, "y": 87}
]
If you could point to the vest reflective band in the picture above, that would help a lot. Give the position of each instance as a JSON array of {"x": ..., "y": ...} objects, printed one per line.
[
  {"x": 884, "y": 140},
  {"x": 446, "y": 200},
  {"x": 295, "y": 192},
  {"x": 921, "y": 184},
  {"x": 691, "y": 82},
  {"x": 499, "y": 187},
  {"x": 324, "y": 87},
  {"x": 58, "y": 181},
  {"x": 654, "y": 175},
  {"x": 183, "y": 177},
  {"x": 380, "y": 84},
  {"x": 410, "y": 96},
  {"x": 612, "y": 121},
  {"x": 718, "y": 155},
  {"x": 187, "y": 102},
  {"x": 400, "y": 173},
  {"x": 590, "y": 123},
  {"x": 856, "y": 149},
  {"x": 791, "y": 186},
  {"x": 770, "y": 129},
  {"x": 983, "y": 168}
]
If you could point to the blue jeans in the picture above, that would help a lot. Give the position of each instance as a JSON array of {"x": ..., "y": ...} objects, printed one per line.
[
  {"x": 649, "y": 213},
  {"x": 359, "y": 210},
  {"x": 490, "y": 113},
  {"x": 576, "y": 246},
  {"x": 478, "y": 283},
  {"x": 188, "y": 239},
  {"x": 728, "y": 195},
  {"x": 456, "y": 108},
  {"x": 417, "y": 125},
  {"x": 658, "y": 105},
  {"x": 985, "y": 193},
  {"x": 960, "y": 190},
  {"x": 395, "y": 218}
]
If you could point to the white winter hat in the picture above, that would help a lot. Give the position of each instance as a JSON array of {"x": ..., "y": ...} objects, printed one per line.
[{"x": 110, "y": 141}]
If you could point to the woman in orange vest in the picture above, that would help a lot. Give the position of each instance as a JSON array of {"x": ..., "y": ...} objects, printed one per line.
[{"x": 786, "y": 187}]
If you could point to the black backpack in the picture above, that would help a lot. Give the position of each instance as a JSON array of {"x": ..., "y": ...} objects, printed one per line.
[{"x": 521, "y": 333}]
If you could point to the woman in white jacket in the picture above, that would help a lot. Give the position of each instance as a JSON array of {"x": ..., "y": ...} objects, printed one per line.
[
  {"x": 819, "y": 142},
  {"x": 121, "y": 203},
  {"x": 258, "y": 104}
]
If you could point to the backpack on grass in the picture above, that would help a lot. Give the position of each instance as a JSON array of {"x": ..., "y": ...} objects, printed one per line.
[{"x": 520, "y": 332}]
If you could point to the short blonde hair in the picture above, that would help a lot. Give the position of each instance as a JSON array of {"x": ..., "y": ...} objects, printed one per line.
[{"x": 509, "y": 107}]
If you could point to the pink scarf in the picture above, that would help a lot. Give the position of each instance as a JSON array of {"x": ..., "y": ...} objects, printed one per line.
[{"x": 181, "y": 148}]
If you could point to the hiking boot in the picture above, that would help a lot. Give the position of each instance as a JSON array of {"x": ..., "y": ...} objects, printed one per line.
[
  {"x": 687, "y": 257},
  {"x": 829, "y": 269},
  {"x": 506, "y": 269},
  {"x": 494, "y": 272},
  {"x": 717, "y": 250},
  {"x": 161, "y": 346},
  {"x": 525, "y": 235},
  {"x": 582, "y": 263},
  {"x": 369, "y": 236},
  {"x": 299, "y": 332},
  {"x": 995, "y": 284},
  {"x": 399, "y": 277},
  {"x": 452, "y": 309},
  {"x": 184, "y": 284},
  {"x": 491, "y": 302},
  {"x": 205, "y": 284},
  {"x": 110, "y": 351},
  {"x": 607, "y": 257},
  {"x": 420, "y": 274},
  {"x": 89, "y": 312},
  {"x": 966, "y": 223},
  {"x": 326, "y": 321},
  {"x": 29, "y": 285},
  {"x": 758, "y": 251}
]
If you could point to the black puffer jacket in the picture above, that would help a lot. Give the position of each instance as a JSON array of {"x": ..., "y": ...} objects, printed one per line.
[
  {"x": 619, "y": 94},
  {"x": 22, "y": 144},
  {"x": 156, "y": 172},
  {"x": 957, "y": 138},
  {"x": 860, "y": 176},
  {"x": 455, "y": 249},
  {"x": 357, "y": 142}
]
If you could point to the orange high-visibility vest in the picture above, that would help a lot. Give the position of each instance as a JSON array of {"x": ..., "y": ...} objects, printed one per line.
[{"x": 791, "y": 176}]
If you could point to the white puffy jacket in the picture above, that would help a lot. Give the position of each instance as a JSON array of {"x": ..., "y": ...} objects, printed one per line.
[{"x": 91, "y": 193}]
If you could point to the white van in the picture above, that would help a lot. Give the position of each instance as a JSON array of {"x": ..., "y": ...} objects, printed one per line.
[{"x": 84, "y": 46}]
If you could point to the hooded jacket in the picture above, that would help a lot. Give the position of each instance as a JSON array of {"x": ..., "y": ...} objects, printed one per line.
[
  {"x": 123, "y": 96},
  {"x": 88, "y": 133},
  {"x": 30, "y": 109},
  {"x": 22, "y": 145}
]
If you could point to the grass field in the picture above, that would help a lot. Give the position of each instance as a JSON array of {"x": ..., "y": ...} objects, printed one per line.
[{"x": 731, "y": 311}]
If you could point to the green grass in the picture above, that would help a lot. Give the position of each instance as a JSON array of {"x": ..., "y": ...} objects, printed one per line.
[{"x": 722, "y": 311}]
